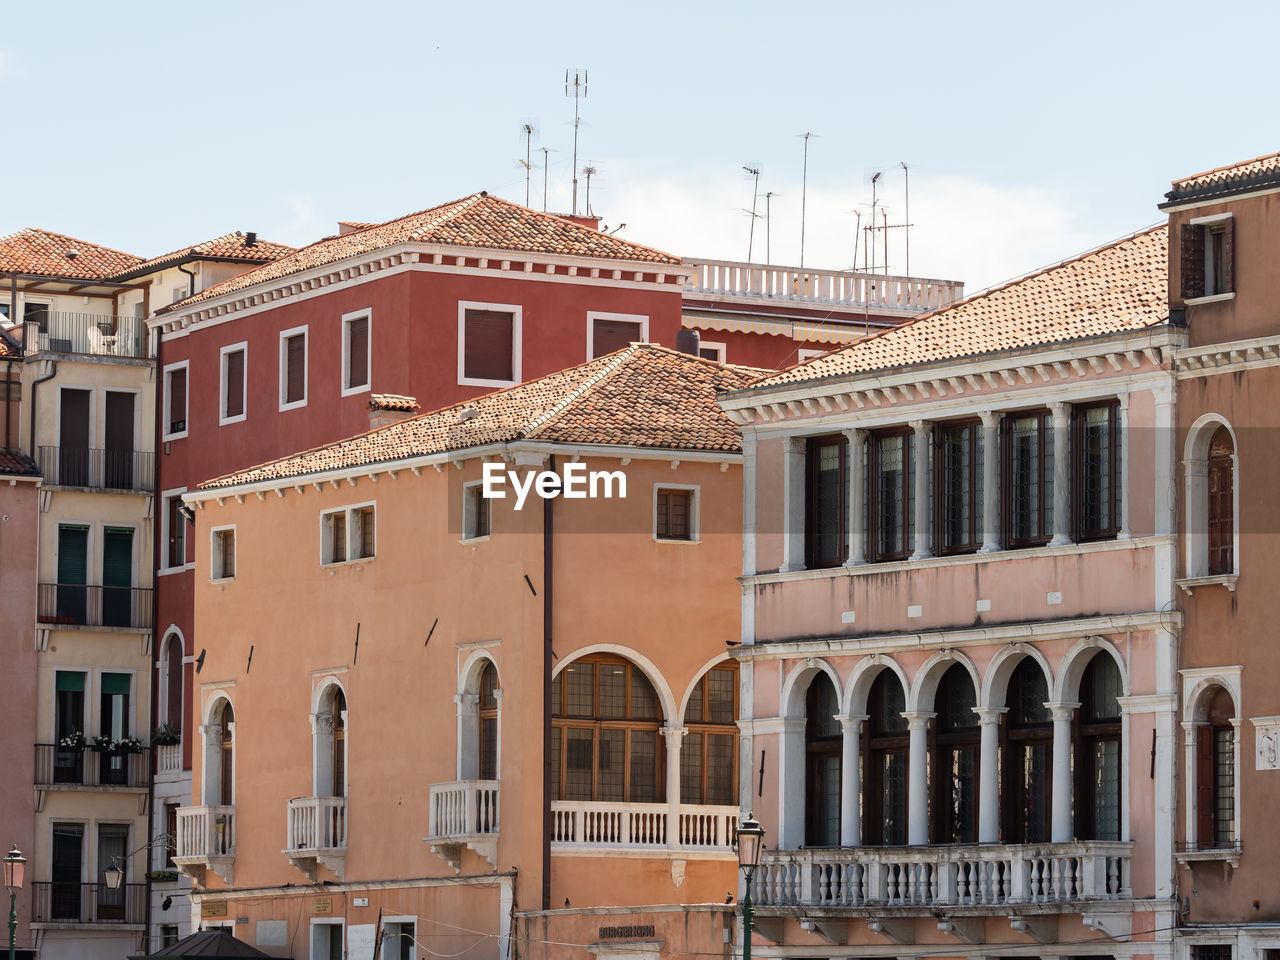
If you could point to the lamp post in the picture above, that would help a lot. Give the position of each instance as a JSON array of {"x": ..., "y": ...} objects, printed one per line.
[
  {"x": 749, "y": 839},
  {"x": 14, "y": 866}
]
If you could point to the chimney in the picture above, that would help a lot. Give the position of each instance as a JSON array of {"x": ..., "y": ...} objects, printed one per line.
[
  {"x": 251, "y": 238},
  {"x": 688, "y": 341},
  {"x": 582, "y": 220},
  {"x": 388, "y": 408},
  {"x": 351, "y": 226}
]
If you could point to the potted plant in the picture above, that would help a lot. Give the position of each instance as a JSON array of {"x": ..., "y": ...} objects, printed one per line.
[
  {"x": 102, "y": 743},
  {"x": 72, "y": 741},
  {"x": 162, "y": 876},
  {"x": 166, "y": 735},
  {"x": 128, "y": 745}
]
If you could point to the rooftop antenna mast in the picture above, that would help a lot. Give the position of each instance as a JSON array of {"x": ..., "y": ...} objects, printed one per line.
[
  {"x": 875, "y": 180},
  {"x": 804, "y": 191},
  {"x": 527, "y": 162},
  {"x": 857, "y": 232},
  {"x": 589, "y": 171},
  {"x": 753, "y": 172},
  {"x": 906, "y": 191},
  {"x": 575, "y": 85},
  {"x": 545, "y": 165},
  {"x": 768, "y": 221}
]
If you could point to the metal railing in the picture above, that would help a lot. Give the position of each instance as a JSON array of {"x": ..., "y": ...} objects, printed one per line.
[
  {"x": 54, "y": 902},
  {"x": 945, "y": 875},
  {"x": 98, "y": 469},
  {"x": 463, "y": 808},
  {"x": 317, "y": 823},
  {"x": 205, "y": 832},
  {"x": 721, "y": 278},
  {"x": 85, "y": 767},
  {"x": 90, "y": 334},
  {"x": 77, "y": 604}
]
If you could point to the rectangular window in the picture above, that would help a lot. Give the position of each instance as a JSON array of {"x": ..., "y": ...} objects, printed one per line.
[
  {"x": 175, "y": 401},
  {"x": 477, "y": 516},
  {"x": 1027, "y": 490},
  {"x": 825, "y": 542},
  {"x": 223, "y": 559},
  {"x": 168, "y": 934},
  {"x": 1211, "y": 951},
  {"x": 175, "y": 533},
  {"x": 674, "y": 514},
  {"x": 233, "y": 385},
  {"x": 958, "y": 486},
  {"x": 708, "y": 350},
  {"x": 488, "y": 344},
  {"x": 347, "y": 534},
  {"x": 293, "y": 368},
  {"x": 1095, "y": 474},
  {"x": 890, "y": 495},
  {"x": 1224, "y": 786},
  {"x": 37, "y": 313},
  {"x": 1207, "y": 256},
  {"x": 362, "y": 527},
  {"x": 355, "y": 353},
  {"x": 607, "y": 332},
  {"x": 171, "y": 835}
]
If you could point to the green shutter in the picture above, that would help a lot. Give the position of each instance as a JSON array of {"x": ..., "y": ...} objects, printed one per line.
[
  {"x": 70, "y": 680},
  {"x": 115, "y": 683},
  {"x": 73, "y": 551},
  {"x": 117, "y": 557}
]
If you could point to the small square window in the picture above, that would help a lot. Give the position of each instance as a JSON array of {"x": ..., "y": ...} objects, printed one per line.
[
  {"x": 607, "y": 332},
  {"x": 355, "y": 353},
  {"x": 233, "y": 384},
  {"x": 1207, "y": 257},
  {"x": 293, "y": 368},
  {"x": 709, "y": 350},
  {"x": 223, "y": 560},
  {"x": 477, "y": 514},
  {"x": 347, "y": 534},
  {"x": 675, "y": 513},
  {"x": 488, "y": 344}
]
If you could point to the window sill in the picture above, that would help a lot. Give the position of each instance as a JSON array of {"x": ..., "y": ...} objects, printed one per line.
[
  {"x": 1227, "y": 580},
  {"x": 222, "y": 580},
  {"x": 1229, "y": 855},
  {"x": 173, "y": 436},
  {"x": 1215, "y": 298},
  {"x": 165, "y": 571},
  {"x": 352, "y": 391},
  {"x": 658, "y": 539},
  {"x": 296, "y": 405},
  {"x": 477, "y": 382},
  {"x": 333, "y": 565},
  {"x": 471, "y": 540},
  {"x": 226, "y": 421}
]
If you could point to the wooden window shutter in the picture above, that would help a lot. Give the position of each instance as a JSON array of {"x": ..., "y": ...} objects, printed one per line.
[
  {"x": 1228, "y": 255},
  {"x": 1192, "y": 261},
  {"x": 1204, "y": 785},
  {"x": 178, "y": 401},
  {"x": 358, "y": 352},
  {"x": 610, "y": 335},
  {"x": 488, "y": 345},
  {"x": 235, "y": 384},
  {"x": 296, "y": 368}
]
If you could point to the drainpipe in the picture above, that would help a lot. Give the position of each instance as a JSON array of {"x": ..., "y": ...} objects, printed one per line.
[
  {"x": 157, "y": 413},
  {"x": 548, "y": 530},
  {"x": 8, "y": 402},
  {"x": 35, "y": 383},
  {"x": 192, "y": 275}
]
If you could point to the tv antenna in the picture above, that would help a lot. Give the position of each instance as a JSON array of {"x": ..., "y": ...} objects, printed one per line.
[
  {"x": 546, "y": 165},
  {"x": 575, "y": 85},
  {"x": 754, "y": 173},
  {"x": 589, "y": 171},
  {"x": 768, "y": 220},
  {"x": 906, "y": 201},
  {"x": 804, "y": 191},
  {"x": 527, "y": 129},
  {"x": 857, "y": 234}
]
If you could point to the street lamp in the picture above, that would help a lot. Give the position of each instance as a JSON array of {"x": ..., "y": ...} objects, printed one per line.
[
  {"x": 749, "y": 839},
  {"x": 14, "y": 867},
  {"x": 113, "y": 874}
]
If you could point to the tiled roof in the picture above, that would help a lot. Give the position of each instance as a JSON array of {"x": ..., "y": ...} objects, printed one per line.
[
  {"x": 480, "y": 221},
  {"x": 393, "y": 401},
  {"x": 1118, "y": 287},
  {"x": 7, "y": 347},
  {"x": 641, "y": 396},
  {"x": 57, "y": 255},
  {"x": 232, "y": 246},
  {"x": 1232, "y": 171},
  {"x": 17, "y": 462},
  {"x": 1260, "y": 172}
]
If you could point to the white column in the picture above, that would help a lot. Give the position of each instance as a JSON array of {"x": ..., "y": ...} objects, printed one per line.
[
  {"x": 1123, "y": 492},
  {"x": 497, "y": 753},
  {"x": 918, "y": 781},
  {"x": 1189, "y": 782},
  {"x": 857, "y": 514},
  {"x": 749, "y": 474},
  {"x": 1164, "y": 461},
  {"x": 791, "y": 784},
  {"x": 1236, "y": 790},
  {"x": 851, "y": 781},
  {"x": 990, "y": 482},
  {"x": 1061, "y": 473},
  {"x": 793, "y": 503},
  {"x": 989, "y": 774},
  {"x": 506, "y": 899},
  {"x": 211, "y": 741},
  {"x": 1062, "y": 829},
  {"x": 922, "y": 467},
  {"x": 673, "y": 736},
  {"x": 468, "y": 765}
]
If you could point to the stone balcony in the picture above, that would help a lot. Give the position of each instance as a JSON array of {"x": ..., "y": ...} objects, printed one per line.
[
  {"x": 464, "y": 813},
  {"x": 317, "y": 834},
  {"x": 657, "y": 826},
  {"x": 206, "y": 841}
]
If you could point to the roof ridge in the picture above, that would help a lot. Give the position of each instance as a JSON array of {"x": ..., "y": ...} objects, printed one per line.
[
  {"x": 581, "y": 390},
  {"x": 67, "y": 236},
  {"x": 1225, "y": 167}
]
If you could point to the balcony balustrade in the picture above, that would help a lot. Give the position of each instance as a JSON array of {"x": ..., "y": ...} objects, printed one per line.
[
  {"x": 97, "y": 469},
  {"x": 601, "y": 823},
  {"x": 168, "y": 758},
  {"x": 317, "y": 834},
  {"x": 81, "y": 605},
  {"x": 88, "y": 334},
  {"x": 464, "y": 813},
  {"x": 59, "y": 768},
  {"x": 800, "y": 285},
  {"x": 88, "y": 903},
  {"x": 995, "y": 875},
  {"x": 206, "y": 841}
]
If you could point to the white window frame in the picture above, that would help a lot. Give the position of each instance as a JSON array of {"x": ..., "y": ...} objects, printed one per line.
[
  {"x": 469, "y": 514},
  {"x": 347, "y": 318},
  {"x": 695, "y": 509},
  {"x": 348, "y": 510},
  {"x": 808, "y": 353},
  {"x": 285, "y": 335},
  {"x": 215, "y": 552},
  {"x": 223, "y": 419},
  {"x": 517, "y": 347},
  {"x": 389, "y": 951},
  {"x": 721, "y": 349},
  {"x": 1195, "y": 683},
  {"x": 594, "y": 315},
  {"x": 165, "y": 497},
  {"x": 169, "y": 370},
  {"x": 1208, "y": 224},
  {"x": 313, "y": 947}
]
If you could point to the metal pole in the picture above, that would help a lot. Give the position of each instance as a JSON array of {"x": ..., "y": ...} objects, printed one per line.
[
  {"x": 545, "y": 164},
  {"x": 13, "y": 923},
  {"x": 906, "y": 180},
  {"x": 804, "y": 194},
  {"x": 748, "y": 914}
]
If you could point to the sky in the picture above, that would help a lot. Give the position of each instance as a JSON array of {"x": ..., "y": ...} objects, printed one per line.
[{"x": 1031, "y": 131}]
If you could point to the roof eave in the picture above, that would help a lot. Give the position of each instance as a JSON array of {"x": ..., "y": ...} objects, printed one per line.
[{"x": 1221, "y": 190}]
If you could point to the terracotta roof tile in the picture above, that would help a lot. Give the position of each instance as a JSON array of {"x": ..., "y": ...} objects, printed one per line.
[
  {"x": 1232, "y": 171},
  {"x": 480, "y": 221},
  {"x": 393, "y": 401},
  {"x": 50, "y": 254},
  {"x": 231, "y": 246},
  {"x": 641, "y": 396},
  {"x": 17, "y": 462},
  {"x": 7, "y": 347},
  {"x": 1118, "y": 287}
]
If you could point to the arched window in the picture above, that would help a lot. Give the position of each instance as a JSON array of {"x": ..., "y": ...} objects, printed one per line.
[
  {"x": 957, "y": 741},
  {"x": 1221, "y": 513},
  {"x": 173, "y": 682},
  {"x": 1027, "y": 765},
  {"x": 329, "y": 734},
  {"x": 219, "y": 756},
  {"x": 604, "y": 738},
  {"x": 709, "y": 753},
  {"x": 488, "y": 714},
  {"x": 1097, "y": 753},
  {"x": 885, "y": 744},
  {"x": 338, "y": 717},
  {"x": 1216, "y": 773},
  {"x": 823, "y": 742}
]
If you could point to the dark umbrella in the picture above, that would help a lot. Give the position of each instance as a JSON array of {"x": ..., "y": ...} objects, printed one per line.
[{"x": 216, "y": 944}]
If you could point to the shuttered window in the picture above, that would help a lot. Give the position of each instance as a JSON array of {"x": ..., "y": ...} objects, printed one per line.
[
  {"x": 1026, "y": 490},
  {"x": 890, "y": 496},
  {"x": 610, "y": 335},
  {"x": 364, "y": 532},
  {"x": 1095, "y": 471},
  {"x": 357, "y": 353},
  {"x": 674, "y": 515},
  {"x": 224, "y": 554},
  {"x": 825, "y": 542},
  {"x": 233, "y": 384},
  {"x": 1221, "y": 518},
  {"x": 293, "y": 368},
  {"x": 488, "y": 345},
  {"x": 1207, "y": 258},
  {"x": 176, "y": 548},
  {"x": 347, "y": 534},
  {"x": 477, "y": 513},
  {"x": 177, "y": 400}
]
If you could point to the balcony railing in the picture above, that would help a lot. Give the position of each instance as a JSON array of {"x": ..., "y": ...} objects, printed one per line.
[
  {"x": 600, "y": 823},
  {"x": 54, "y": 902},
  {"x": 97, "y": 469},
  {"x": 727, "y": 278},
  {"x": 317, "y": 823},
  {"x": 168, "y": 757},
  {"x": 205, "y": 832},
  {"x": 90, "y": 334},
  {"x": 75, "y": 604},
  {"x": 945, "y": 875},
  {"x": 58, "y": 767},
  {"x": 464, "y": 808}
]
